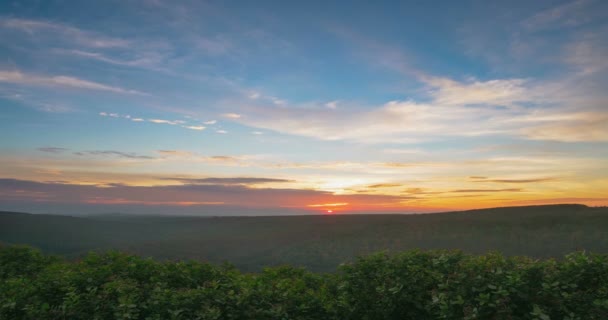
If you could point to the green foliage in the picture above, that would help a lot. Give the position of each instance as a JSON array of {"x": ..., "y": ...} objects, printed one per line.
[{"x": 410, "y": 285}]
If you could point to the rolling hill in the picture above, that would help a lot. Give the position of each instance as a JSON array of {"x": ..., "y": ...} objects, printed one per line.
[{"x": 319, "y": 243}]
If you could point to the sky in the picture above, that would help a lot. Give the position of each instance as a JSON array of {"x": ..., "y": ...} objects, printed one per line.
[{"x": 290, "y": 107}]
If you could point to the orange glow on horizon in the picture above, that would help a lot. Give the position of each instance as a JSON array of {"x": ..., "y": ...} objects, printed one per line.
[{"x": 338, "y": 204}]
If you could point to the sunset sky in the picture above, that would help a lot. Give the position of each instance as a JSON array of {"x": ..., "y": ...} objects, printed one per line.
[{"x": 282, "y": 107}]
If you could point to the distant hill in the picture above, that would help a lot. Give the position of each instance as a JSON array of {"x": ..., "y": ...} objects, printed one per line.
[{"x": 317, "y": 242}]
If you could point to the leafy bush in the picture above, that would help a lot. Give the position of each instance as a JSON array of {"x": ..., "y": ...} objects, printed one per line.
[{"x": 409, "y": 285}]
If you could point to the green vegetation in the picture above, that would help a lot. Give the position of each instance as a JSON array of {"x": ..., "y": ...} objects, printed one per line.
[
  {"x": 410, "y": 285},
  {"x": 319, "y": 243}
]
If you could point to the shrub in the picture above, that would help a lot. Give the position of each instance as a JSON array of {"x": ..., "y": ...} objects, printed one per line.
[{"x": 409, "y": 285}]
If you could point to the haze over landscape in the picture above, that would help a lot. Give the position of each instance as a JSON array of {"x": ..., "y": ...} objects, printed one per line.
[{"x": 255, "y": 108}]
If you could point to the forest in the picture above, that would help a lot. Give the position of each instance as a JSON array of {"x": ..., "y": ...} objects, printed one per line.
[{"x": 317, "y": 242}]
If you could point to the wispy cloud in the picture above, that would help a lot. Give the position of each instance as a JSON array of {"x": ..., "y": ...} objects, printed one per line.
[
  {"x": 228, "y": 181},
  {"x": 231, "y": 115},
  {"x": 119, "y": 154},
  {"x": 145, "y": 59},
  {"x": 17, "y": 77},
  {"x": 384, "y": 185},
  {"x": 53, "y": 149},
  {"x": 68, "y": 33},
  {"x": 570, "y": 14},
  {"x": 486, "y": 190},
  {"x": 531, "y": 180}
]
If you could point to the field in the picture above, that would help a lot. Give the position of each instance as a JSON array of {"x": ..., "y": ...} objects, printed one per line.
[{"x": 319, "y": 243}]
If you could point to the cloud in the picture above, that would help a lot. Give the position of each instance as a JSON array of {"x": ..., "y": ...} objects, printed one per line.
[
  {"x": 52, "y": 149},
  {"x": 113, "y": 153},
  {"x": 486, "y": 190},
  {"x": 396, "y": 121},
  {"x": 162, "y": 121},
  {"x": 223, "y": 158},
  {"x": 228, "y": 181},
  {"x": 571, "y": 14},
  {"x": 404, "y": 151},
  {"x": 199, "y": 128},
  {"x": 175, "y": 153},
  {"x": 504, "y": 92},
  {"x": 332, "y": 104},
  {"x": 188, "y": 194},
  {"x": 17, "y": 77},
  {"x": 143, "y": 59},
  {"x": 571, "y": 128},
  {"x": 221, "y": 131},
  {"x": 231, "y": 115},
  {"x": 384, "y": 185},
  {"x": 210, "y": 122},
  {"x": 323, "y": 205},
  {"x": 67, "y": 33},
  {"x": 532, "y": 180},
  {"x": 587, "y": 53}
]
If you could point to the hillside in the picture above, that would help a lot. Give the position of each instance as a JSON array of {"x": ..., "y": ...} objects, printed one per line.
[{"x": 319, "y": 243}]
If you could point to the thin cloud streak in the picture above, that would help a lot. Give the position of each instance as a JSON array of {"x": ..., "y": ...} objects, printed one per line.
[
  {"x": 189, "y": 194},
  {"x": 17, "y": 77},
  {"x": 35, "y": 27}
]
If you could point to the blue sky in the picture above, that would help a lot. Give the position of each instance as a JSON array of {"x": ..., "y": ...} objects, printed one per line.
[{"x": 392, "y": 106}]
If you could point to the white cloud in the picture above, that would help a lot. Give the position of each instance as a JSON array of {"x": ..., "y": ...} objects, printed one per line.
[
  {"x": 162, "y": 121},
  {"x": 332, "y": 104},
  {"x": 210, "y": 122},
  {"x": 456, "y": 109},
  {"x": 199, "y": 128},
  {"x": 493, "y": 92},
  {"x": 221, "y": 131}
]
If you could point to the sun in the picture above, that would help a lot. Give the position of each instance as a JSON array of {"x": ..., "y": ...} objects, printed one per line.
[{"x": 330, "y": 211}]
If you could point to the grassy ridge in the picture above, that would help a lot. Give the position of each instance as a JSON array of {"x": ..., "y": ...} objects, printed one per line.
[
  {"x": 319, "y": 243},
  {"x": 410, "y": 285}
]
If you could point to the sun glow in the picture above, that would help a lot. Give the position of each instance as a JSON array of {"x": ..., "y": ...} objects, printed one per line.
[{"x": 338, "y": 204}]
